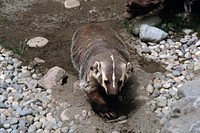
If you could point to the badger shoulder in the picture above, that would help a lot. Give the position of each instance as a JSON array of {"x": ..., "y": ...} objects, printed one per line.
[{"x": 94, "y": 37}]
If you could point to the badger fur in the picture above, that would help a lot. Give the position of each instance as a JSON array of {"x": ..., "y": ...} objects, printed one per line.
[{"x": 102, "y": 61}]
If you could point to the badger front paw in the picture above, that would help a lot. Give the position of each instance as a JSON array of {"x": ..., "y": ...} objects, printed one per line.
[{"x": 104, "y": 111}]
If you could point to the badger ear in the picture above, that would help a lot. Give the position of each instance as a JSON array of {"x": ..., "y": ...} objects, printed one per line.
[
  {"x": 129, "y": 67},
  {"x": 96, "y": 69}
]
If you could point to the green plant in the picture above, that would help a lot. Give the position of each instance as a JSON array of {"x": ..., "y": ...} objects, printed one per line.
[
  {"x": 127, "y": 26},
  {"x": 19, "y": 50},
  {"x": 176, "y": 22}
]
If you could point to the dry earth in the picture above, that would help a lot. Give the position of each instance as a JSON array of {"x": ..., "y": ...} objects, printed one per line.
[{"x": 21, "y": 20}]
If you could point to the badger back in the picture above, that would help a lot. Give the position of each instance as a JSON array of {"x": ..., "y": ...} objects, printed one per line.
[{"x": 93, "y": 39}]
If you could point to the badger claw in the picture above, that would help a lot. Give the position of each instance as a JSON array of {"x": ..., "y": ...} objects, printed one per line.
[
  {"x": 108, "y": 114},
  {"x": 113, "y": 115},
  {"x": 101, "y": 114}
]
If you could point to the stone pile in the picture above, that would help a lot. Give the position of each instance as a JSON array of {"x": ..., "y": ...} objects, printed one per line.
[
  {"x": 24, "y": 105},
  {"x": 184, "y": 115},
  {"x": 180, "y": 58}
]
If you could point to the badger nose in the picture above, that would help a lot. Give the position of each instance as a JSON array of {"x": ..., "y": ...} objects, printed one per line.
[{"x": 113, "y": 91}]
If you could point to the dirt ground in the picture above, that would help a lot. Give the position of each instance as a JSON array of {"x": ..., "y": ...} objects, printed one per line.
[{"x": 21, "y": 20}]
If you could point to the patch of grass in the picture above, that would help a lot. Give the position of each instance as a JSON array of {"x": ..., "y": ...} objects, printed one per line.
[
  {"x": 22, "y": 47},
  {"x": 127, "y": 26},
  {"x": 174, "y": 22}
]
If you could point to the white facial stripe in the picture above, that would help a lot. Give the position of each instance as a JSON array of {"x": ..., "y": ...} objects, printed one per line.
[
  {"x": 113, "y": 75},
  {"x": 123, "y": 73},
  {"x": 104, "y": 78}
]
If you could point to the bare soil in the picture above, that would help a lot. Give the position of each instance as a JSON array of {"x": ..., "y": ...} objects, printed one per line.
[{"x": 21, "y": 20}]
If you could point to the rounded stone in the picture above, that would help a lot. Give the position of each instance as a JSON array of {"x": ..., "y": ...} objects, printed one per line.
[
  {"x": 49, "y": 127},
  {"x": 188, "y": 55},
  {"x": 150, "y": 89},
  {"x": 187, "y": 37},
  {"x": 161, "y": 101},
  {"x": 63, "y": 116},
  {"x": 25, "y": 111},
  {"x": 84, "y": 113},
  {"x": 178, "y": 44},
  {"x": 71, "y": 3},
  {"x": 64, "y": 129},
  {"x": 179, "y": 52},
  {"x": 6, "y": 125},
  {"x": 32, "y": 129},
  {"x": 162, "y": 42},
  {"x": 10, "y": 67},
  {"x": 2, "y": 98},
  {"x": 197, "y": 43},
  {"x": 176, "y": 73},
  {"x": 197, "y": 66},
  {"x": 167, "y": 85},
  {"x": 156, "y": 93},
  {"x": 163, "y": 56},
  {"x": 197, "y": 53},
  {"x": 37, "y": 42},
  {"x": 40, "y": 131},
  {"x": 146, "y": 50},
  {"x": 115, "y": 132},
  {"x": 172, "y": 92},
  {"x": 38, "y": 125},
  {"x": 32, "y": 84},
  {"x": 183, "y": 40},
  {"x": 49, "y": 91},
  {"x": 14, "y": 121},
  {"x": 163, "y": 120},
  {"x": 187, "y": 31}
]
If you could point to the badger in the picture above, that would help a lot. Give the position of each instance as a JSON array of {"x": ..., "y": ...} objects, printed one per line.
[{"x": 102, "y": 60}]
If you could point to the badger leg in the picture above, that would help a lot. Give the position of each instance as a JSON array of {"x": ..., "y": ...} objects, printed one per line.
[{"x": 99, "y": 105}]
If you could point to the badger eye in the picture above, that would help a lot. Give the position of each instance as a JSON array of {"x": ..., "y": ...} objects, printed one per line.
[
  {"x": 106, "y": 81},
  {"x": 120, "y": 82}
]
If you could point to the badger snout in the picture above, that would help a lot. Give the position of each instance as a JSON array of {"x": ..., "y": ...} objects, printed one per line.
[{"x": 113, "y": 91}]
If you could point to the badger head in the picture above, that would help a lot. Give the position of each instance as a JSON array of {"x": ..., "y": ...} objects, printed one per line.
[{"x": 111, "y": 74}]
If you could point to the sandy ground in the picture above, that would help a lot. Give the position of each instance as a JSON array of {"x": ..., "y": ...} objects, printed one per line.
[{"x": 21, "y": 20}]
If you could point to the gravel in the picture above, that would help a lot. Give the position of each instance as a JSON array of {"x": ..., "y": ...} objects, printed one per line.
[
  {"x": 24, "y": 105},
  {"x": 180, "y": 58}
]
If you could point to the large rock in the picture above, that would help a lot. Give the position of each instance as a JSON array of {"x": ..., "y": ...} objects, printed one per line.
[
  {"x": 185, "y": 114},
  {"x": 151, "y": 34},
  {"x": 150, "y": 20},
  {"x": 191, "y": 88},
  {"x": 53, "y": 77},
  {"x": 140, "y": 7}
]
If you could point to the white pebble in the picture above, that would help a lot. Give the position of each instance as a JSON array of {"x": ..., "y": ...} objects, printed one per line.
[
  {"x": 183, "y": 40},
  {"x": 40, "y": 131},
  {"x": 162, "y": 42},
  {"x": 179, "y": 52},
  {"x": 84, "y": 113},
  {"x": 167, "y": 85},
  {"x": 6, "y": 125},
  {"x": 163, "y": 120},
  {"x": 197, "y": 53},
  {"x": 37, "y": 42},
  {"x": 178, "y": 44},
  {"x": 115, "y": 132},
  {"x": 71, "y": 4},
  {"x": 188, "y": 55},
  {"x": 197, "y": 43},
  {"x": 150, "y": 89}
]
